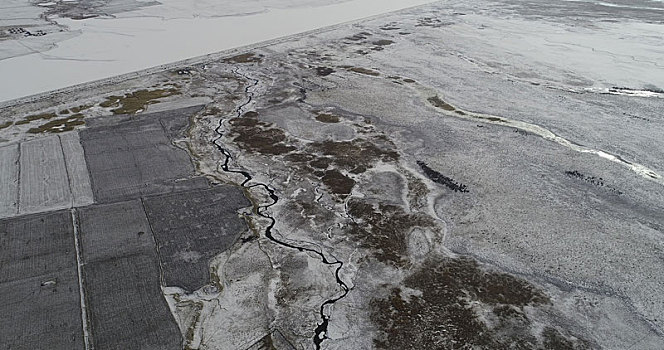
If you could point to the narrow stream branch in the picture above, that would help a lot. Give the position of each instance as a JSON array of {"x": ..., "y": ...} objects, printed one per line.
[
  {"x": 321, "y": 330},
  {"x": 447, "y": 109}
]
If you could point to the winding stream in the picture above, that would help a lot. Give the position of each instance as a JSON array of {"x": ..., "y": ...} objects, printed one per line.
[
  {"x": 447, "y": 109},
  {"x": 321, "y": 329}
]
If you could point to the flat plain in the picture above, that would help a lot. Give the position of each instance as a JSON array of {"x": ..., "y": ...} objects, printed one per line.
[
  {"x": 39, "y": 282},
  {"x": 482, "y": 175}
]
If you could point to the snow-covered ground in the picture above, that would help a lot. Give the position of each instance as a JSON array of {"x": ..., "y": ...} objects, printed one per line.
[
  {"x": 149, "y": 36},
  {"x": 132, "y": 35}
]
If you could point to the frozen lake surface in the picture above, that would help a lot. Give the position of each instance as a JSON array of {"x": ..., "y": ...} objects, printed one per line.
[
  {"x": 106, "y": 46},
  {"x": 123, "y": 36}
]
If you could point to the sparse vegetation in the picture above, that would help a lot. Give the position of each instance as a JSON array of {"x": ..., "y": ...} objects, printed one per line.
[
  {"x": 444, "y": 315},
  {"x": 33, "y": 117},
  {"x": 257, "y": 136},
  {"x": 324, "y": 71},
  {"x": 383, "y": 42},
  {"x": 438, "y": 103},
  {"x": 244, "y": 58},
  {"x": 137, "y": 101},
  {"x": 364, "y": 71},
  {"x": 59, "y": 125},
  {"x": 327, "y": 118},
  {"x": 383, "y": 229}
]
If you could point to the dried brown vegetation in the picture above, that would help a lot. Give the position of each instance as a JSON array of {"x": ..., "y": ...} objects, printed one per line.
[
  {"x": 444, "y": 315},
  {"x": 384, "y": 229},
  {"x": 327, "y": 118},
  {"x": 134, "y": 102},
  {"x": 438, "y": 103},
  {"x": 257, "y": 136},
  {"x": 244, "y": 58},
  {"x": 364, "y": 71},
  {"x": 59, "y": 125}
]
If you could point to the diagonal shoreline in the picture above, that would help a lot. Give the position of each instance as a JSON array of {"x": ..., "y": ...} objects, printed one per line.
[{"x": 194, "y": 60}]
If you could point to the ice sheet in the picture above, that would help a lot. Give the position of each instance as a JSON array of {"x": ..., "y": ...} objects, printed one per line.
[{"x": 167, "y": 33}]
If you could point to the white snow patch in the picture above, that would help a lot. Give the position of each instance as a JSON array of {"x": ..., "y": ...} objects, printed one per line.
[{"x": 627, "y": 92}]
